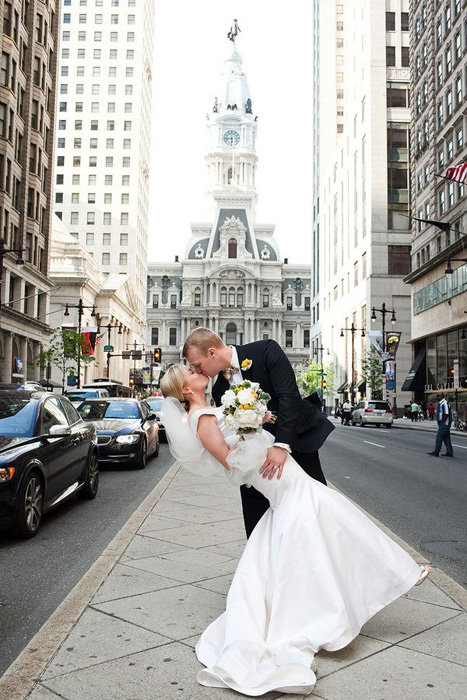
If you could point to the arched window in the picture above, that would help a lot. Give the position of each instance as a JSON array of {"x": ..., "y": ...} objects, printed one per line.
[
  {"x": 240, "y": 297},
  {"x": 231, "y": 334},
  {"x": 232, "y": 248},
  {"x": 223, "y": 296}
]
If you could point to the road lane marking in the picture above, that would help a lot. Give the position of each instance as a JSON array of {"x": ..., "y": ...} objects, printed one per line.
[
  {"x": 375, "y": 444},
  {"x": 462, "y": 447}
]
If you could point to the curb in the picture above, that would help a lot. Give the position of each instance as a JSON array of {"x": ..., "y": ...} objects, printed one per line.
[{"x": 20, "y": 678}]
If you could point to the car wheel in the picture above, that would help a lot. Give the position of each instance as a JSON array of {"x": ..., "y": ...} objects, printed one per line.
[
  {"x": 362, "y": 424},
  {"x": 91, "y": 481},
  {"x": 143, "y": 456},
  {"x": 388, "y": 425},
  {"x": 377, "y": 425},
  {"x": 30, "y": 506}
]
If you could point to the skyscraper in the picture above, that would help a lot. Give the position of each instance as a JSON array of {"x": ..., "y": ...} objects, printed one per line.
[
  {"x": 103, "y": 134},
  {"x": 27, "y": 113},
  {"x": 361, "y": 226}
]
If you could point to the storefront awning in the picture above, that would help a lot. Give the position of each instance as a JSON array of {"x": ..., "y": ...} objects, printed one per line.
[
  {"x": 415, "y": 380},
  {"x": 362, "y": 386},
  {"x": 343, "y": 387}
]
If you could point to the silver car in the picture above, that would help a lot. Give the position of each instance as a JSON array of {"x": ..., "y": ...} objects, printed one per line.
[{"x": 372, "y": 413}]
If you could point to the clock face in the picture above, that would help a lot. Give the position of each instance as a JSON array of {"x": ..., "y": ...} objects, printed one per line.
[{"x": 231, "y": 137}]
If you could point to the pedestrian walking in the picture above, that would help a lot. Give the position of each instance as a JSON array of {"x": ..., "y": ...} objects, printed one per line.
[
  {"x": 414, "y": 411},
  {"x": 431, "y": 411},
  {"x": 444, "y": 418},
  {"x": 346, "y": 412}
]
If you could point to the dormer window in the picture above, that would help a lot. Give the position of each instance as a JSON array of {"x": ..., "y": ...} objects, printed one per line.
[{"x": 232, "y": 248}]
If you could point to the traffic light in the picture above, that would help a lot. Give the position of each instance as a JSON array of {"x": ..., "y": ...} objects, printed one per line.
[
  {"x": 157, "y": 355},
  {"x": 132, "y": 382},
  {"x": 324, "y": 385}
]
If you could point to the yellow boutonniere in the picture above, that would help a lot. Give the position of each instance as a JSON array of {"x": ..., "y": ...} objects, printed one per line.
[{"x": 246, "y": 364}]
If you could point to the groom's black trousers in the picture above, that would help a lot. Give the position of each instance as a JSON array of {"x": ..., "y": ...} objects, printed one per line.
[{"x": 255, "y": 505}]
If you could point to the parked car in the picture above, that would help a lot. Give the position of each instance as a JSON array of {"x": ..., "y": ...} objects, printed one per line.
[
  {"x": 155, "y": 404},
  {"x": 31, "y": 386},
  {"x": 372, "y": 413},
  {"x": 77, "y": 396},
  {"x": 47, "y": 454},
  {"x": 127, "y": 430}
]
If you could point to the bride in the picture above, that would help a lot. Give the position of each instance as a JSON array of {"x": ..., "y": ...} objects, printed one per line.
[{"x": 314, "y": 570}]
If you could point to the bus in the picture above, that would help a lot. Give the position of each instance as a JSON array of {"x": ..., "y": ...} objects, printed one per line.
[{"x": 113, "y": 386}]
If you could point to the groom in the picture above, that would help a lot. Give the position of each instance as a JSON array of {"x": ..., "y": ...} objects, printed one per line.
[{"x": 300, "y": 428}]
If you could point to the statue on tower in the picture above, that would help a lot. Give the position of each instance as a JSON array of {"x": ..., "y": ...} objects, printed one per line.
[{"x": 233, "y": 31}]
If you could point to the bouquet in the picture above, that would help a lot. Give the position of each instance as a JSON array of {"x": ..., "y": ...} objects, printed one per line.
[{"x": 245, "y": 408}]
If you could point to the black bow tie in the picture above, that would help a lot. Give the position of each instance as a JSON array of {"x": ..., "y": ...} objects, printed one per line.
[{"x": 229, "y": 372}]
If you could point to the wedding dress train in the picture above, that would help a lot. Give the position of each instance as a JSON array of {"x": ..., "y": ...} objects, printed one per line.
[{"x": 314, "y": 570}]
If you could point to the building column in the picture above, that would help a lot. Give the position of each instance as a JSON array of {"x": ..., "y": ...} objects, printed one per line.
[
  {"x": 8, "y": 357},
  {"x": 23, "y": 344}
]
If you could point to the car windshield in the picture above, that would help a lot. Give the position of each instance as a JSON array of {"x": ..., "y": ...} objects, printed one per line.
[
  {"x": 17, "y": 414},
  {"x": 155, "y": 404},
  {"x": 99, "y": 410}
]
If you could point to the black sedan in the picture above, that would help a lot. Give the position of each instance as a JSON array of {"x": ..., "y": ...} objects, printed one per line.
[
  {"x": 155, "y": 404},
  {"x": 127, "y": 430},
  {"x": 47, "y": 454}
]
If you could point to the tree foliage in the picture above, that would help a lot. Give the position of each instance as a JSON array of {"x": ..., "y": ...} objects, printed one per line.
[
  {"x": 312, "y": 377},
  {"x": 66, "y": 347},
  {"x": 372, "y": 373}
]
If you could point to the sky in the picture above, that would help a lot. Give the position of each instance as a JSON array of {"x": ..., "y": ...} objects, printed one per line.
[{"x": 191, "y": 46}]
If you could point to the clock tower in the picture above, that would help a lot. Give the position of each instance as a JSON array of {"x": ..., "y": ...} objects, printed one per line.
[{"x": 231, "y": 158}]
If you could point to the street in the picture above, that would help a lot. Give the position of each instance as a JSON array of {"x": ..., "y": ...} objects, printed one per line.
[
  {"x": 387, "y": 472},
  {"x": 420, "y": 498},
  {"x": 37, "y": 574}
]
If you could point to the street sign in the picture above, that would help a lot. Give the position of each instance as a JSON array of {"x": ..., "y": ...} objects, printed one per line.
[
  {"x": 126, "y": 354},
  {"x": 108, "y": 348}
]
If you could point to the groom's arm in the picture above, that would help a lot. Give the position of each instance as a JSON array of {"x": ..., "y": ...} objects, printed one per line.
[{"x": 284, "y": 386}]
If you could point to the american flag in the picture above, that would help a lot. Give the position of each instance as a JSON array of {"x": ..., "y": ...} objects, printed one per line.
[
  {"x": 458, "y": 173},
  {"x": 99, "y": 338}
]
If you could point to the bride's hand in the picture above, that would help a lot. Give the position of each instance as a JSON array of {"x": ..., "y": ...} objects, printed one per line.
[{"x": 267, "y": 417}]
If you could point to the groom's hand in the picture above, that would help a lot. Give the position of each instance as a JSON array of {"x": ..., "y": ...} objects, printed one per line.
[{"x": 274, "y": 463}]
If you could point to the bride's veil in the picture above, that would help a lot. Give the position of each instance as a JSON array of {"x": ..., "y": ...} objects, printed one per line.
[{"x": 183, "y": 443}]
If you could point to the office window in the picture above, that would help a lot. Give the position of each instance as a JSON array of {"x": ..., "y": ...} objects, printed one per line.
[
  {"x": 113, "y": 54},
  {"x": 113, "y": 36},
  {"x": 390, "y": 21},
  {"x": 94, "y": 124},
  {"x": 129, "y": 72},
  {"x": 109, "y": 161},
  {"x": 449, "y": 103},
  {"x": 128, "y": 89},
  {"x": 59, "y": 180},
  {"x": 126, "y": 126},
  {"x": 97, "y": 19},
  {"x": 91, "y": 197},
  {"x": 398, "y": 259},
  {"x": 112, "y": 72},
  {"x": 110, "y": 125},
  {"x": 96, "y": 71},
  {"x": 76, "y": 143},
  {"x": 111, "y": 107},
  {"x": 97, "y": 53},
  {"x": 130, "y": 36},
  {"x": 75, "y": 179},
  {"x": 93, "y": 161},
  {"x": 154, "y": 336},
  {"x": 405, "y": 58},
  {"x": 59, "y": 198},
  {"x": 172, "y": 336},
  {"x": 288, "y": 338},
  {"x": 80, "y": 88},
  {"x": 125, "y": 199},
  {"x": 125, "y": 180},
  {"x": 124, "y": 218},
  {"x": 130, "y": 54},
  {"x": 123, "y": 239},
  {"x": 107, "y": 238},
  {"x": 126, "y": 161},
  {"x": 76, "y": 161},
  {"x": 62, "y": 107},
  {"x": 92, "y": 143},
  {"x": 78, "y": 106},
  {"x": 74, "y": 217},
  {"x": 390, "y": 55},
  {"x": 75, "y": 197},
  {"x": 109, "y": 143},
  {"x": 81, "y": 36},
  {"x": 405, "y": 21},
  {"x": 123, "y": 259},
  {"x": 89, "y": 239},
  {"x": 105, "y": 258},
  {"x": 108, "y": 180},
  {"x": 107, "y": 218},
  {"x": 126, "y": 143},
  {"x": 91, "y": 218}
]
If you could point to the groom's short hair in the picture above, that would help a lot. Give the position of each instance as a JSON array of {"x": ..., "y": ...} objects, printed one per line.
[{"x": 202, "y": 339}]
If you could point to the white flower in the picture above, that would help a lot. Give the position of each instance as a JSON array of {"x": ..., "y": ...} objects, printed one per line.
[
  {"x": 248, "y": 419},
  {"x": 245, "y": 396},
  {"x": 228, "y": 399}
]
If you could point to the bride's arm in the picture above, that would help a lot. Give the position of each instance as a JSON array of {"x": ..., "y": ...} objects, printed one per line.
[{"x": 212, "y": 438}]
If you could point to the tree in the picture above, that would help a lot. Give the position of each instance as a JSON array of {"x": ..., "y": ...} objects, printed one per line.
[
  {"x": 372, "y": 370},
  {"x": 312, "y": 377},
  {"x": 65, "y": 348}
]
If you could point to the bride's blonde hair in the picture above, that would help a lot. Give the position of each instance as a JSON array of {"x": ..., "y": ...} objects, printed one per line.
[{"x": 173, "y": 382}]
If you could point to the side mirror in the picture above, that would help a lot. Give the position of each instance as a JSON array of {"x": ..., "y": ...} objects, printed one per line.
[
  {"x": 59, "y": 430},
  {"x": 151, "y": 416}
]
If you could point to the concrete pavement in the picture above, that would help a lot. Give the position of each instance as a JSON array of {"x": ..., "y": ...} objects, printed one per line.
[{"x": 127, "y": 631}]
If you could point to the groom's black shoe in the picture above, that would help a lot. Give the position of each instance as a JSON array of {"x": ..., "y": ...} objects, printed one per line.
[
  {"x": 435, "y": 454},
  {"x": 445, "y": 454}
]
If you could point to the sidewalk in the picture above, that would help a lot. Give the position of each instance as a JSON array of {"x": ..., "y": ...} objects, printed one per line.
[{"x": 127, "y": 631}]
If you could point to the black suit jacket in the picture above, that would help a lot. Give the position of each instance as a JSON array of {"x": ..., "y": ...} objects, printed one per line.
[{"x": 300, "y": 423}]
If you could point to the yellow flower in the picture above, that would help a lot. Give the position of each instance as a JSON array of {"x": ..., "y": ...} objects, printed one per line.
[
  {"x": 246, "y": 406},
  {"x": 246, "y": 364}
]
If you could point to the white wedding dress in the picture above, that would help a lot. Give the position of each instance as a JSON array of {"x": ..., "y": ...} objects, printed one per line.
[{"x": 314, "y": 570}]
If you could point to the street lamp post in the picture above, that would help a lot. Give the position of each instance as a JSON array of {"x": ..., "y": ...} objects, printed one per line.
[
  {"x": 19, "y": 261},
  {"x": 80, "y": 306},
  {"x": 137, "y": 355},
  {"x": 383, "y": 311},
  {"x": 318, "y": 352},
  {"x": 109, "y": 352},
  {"x": 352, "y": 330}
]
